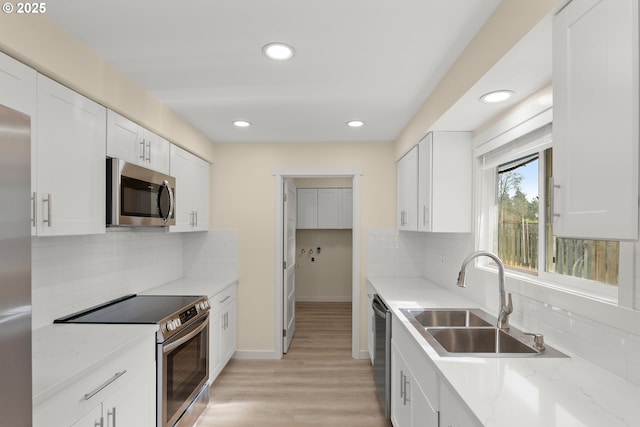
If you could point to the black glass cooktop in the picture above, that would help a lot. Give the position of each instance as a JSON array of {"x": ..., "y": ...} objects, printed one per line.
[{"x": 147, "y": 309}]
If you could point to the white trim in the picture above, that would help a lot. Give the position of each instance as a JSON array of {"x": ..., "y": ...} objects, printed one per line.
[
  {"x": 280, "y": 175},
  {"x": 364, "y": 354},
  {"x": 324, "y": 299},
  {"x": 255, "y": 355}
]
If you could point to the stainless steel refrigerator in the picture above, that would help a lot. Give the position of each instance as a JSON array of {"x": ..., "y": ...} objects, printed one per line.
[{"x": 15, "y": 268}]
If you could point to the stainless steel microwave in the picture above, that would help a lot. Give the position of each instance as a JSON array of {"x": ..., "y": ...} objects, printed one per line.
[{"x": 138, "y": 196}]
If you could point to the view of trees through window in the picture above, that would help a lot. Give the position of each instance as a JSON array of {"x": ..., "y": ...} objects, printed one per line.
[
  {"x": 518, "y": 207},
  {"x": 518, "y": 229}
]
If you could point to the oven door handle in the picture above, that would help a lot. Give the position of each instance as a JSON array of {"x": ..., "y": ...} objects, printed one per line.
[{"x": 169, "y": 347}]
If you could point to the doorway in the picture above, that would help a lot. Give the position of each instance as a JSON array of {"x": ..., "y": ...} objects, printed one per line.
[{"x": 281, "y": 277}]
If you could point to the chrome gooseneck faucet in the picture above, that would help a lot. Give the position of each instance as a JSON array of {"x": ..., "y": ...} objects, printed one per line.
[{"x": 505, "y": 309}]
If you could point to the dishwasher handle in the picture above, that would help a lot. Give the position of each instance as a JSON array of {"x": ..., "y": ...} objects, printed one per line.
[{"x": 378, "y": 307}]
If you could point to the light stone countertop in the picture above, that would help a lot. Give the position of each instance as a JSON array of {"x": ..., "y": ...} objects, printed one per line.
[
  {"x": 62, "y": 354},
  {"x": 523, "y": 392}
]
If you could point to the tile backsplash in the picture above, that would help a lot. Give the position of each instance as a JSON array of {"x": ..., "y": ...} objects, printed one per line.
[
  {"x": 72, "y": 273},
  {"x": 437, "y": 257}
]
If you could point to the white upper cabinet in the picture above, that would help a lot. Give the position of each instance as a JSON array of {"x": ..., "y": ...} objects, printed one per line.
[
  {"x": 307, "y": 209},
  {"x": 407, "y": 186},
  {"x": 444, "y": 182},
  {"x": 325, "y": 208},
  {"x": 434, "y": 184},
  {"x": 192, "y": 190},
  {"x": 70, "y": 150},
  {"x": 345, "y": 208},
  {"x": 18, "y": 91},
  {"x": 131, "y": 142},
  {"x": 17, "y": 86},
  {"x": 595, "y": 123}
]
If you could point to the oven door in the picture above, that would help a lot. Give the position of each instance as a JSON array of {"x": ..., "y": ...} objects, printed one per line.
[{"x": 183, "y": 370}]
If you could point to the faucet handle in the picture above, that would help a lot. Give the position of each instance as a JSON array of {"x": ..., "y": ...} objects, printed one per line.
[
  {"x": 538, "y": 340},
  {"x": 509, "y": 307}
]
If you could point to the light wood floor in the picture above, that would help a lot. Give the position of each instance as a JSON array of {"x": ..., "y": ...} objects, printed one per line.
[{"x": 316, "y": 384}]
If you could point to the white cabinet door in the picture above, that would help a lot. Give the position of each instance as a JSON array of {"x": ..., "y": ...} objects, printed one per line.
[
  {"x": 124, "y": 138},
  {"x": 18, "y": 91},
  {"x": 328, "y": 207},
  {"x": 307, "y": 208},
  {"x": 425, "y": 181},
  {"x": 445, "y": 186},
  {"x": 70, "y": 162},
  {"x": 91, "y": 419},
  {"x": 400, "y": 401},
  {"x": 223, "y": 341},
  {"x": 407, "y": 187},
  {"x": 132, "y": 406},
  {"x": 453, "y": 412},
  {"x": 125, "y": 381},
  {"x": 345, "y": 208},
  {"x": 192, "y": 190},
  {"x": 595, "y": 123},
  {"x": 131, "y": 142},
  {"x": 228, "y": 346},
  {"x": 156, "y": 153}
]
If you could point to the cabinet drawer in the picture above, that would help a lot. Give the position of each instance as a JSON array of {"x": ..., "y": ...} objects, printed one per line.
[
  {"x": 425, "y": 373},
  {"x": 72, "y": 403},
  {"x": 222, "y": 298}
]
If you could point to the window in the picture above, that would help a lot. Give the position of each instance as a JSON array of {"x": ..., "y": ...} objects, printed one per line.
[{"x": 519, "y": 229}]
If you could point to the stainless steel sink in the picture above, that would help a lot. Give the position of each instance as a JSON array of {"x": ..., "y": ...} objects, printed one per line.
[
  {"x": 470, "y": 332},
  {"x": 479, "y": 340},
  {"x": 448, "y": 317}
]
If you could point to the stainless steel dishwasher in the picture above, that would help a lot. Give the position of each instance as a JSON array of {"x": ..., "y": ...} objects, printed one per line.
[{"x": 382, "y": 354}]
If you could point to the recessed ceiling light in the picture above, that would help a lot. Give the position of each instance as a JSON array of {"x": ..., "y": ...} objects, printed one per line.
[
  {"x": 496, "y": 96},
  {"x": 355, "y": 123},
  {"x": 242, "y": 123},
  {"x": 278, "y": 51}
]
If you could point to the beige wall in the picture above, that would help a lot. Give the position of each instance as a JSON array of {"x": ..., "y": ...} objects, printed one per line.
[
  {"x": 38, "y": 42},
  {"x": 243, "y": 199},
  {"x": 242, "y": 179},
  {"x": 511, "y": 20},
  {"x": 323, "y": 276}
]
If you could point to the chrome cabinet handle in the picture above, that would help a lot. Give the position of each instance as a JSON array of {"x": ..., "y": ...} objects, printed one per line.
[
  {"x": 406, "y": 395},
  {"x": 99, "y": 422},
  {"x": 424, "y": 215},
  {"x": 48, "y": 202},
  {"x": 148, "y": 152},
  {"x": 89, "y": 395},
  {"x": 226, "y": 298},
  {"x": 34, "y": 208},
  {"x": 112, "y": 413},
  {"x": 402, "y": 391},
  {"x": 143, "y": 149}
]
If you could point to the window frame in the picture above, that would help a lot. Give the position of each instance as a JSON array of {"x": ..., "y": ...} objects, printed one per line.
[{"x": 487, "y": 219}]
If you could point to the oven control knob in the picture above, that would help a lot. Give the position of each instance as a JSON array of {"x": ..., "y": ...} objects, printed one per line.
[{"x": 172, "y": 324}]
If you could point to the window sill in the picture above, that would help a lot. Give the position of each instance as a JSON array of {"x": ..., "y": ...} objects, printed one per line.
[{"x": 598, "y": 308}]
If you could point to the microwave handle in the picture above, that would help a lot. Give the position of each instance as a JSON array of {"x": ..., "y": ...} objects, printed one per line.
[{"x": 171, "y": 200}]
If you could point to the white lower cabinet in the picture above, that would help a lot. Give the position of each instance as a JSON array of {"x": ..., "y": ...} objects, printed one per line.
[
  {"x": 223, "y": 330},
  {"x": 414, "y": 383},
  {"x": 453, "y": 412},
  {"x": 119, "y": 393}
]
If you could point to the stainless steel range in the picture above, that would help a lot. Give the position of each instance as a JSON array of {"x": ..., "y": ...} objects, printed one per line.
[{"x": 182, "y": 349}]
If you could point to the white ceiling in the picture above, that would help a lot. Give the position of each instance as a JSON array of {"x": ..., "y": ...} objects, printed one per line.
[{"x": 373, "y": 60}]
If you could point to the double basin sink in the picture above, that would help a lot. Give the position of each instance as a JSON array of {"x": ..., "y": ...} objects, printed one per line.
[{"x": 472, "y": 332}]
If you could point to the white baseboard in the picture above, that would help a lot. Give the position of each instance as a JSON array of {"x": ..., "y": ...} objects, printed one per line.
[
  {"x": 323, "y": 299},
  {"x": 364, "y": 354},
  {"x": 257, "y": 355}
]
